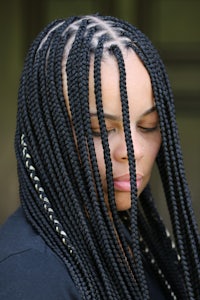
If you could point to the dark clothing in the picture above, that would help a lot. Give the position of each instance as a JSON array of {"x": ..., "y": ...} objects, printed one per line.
[{"x": 30, "y": 270}]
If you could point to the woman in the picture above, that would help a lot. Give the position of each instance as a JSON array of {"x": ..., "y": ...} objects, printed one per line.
[{"x": 95, "y": 110}]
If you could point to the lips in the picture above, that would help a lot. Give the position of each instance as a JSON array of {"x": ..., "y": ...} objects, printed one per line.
[{"x": 122, "y": 183}]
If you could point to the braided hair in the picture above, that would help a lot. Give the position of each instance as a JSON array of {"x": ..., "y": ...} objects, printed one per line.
[{"x": 60, "y": 187}]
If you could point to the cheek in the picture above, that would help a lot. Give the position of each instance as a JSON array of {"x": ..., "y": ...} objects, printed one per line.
[
  {"x": 152, "y": 151},
  {"x": 148, "y": 162}
]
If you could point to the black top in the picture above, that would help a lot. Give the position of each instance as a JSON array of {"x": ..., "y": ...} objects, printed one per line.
[{"x": 30, "y": 270}]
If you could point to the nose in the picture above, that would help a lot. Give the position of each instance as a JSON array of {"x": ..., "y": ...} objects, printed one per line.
[
  {"x": 138, "y": 145},
  {"x": 120, "y": 151}
]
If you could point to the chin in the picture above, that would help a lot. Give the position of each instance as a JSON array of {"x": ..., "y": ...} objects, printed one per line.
[
  {"x": 123, "y": 202},
  {"x": 123, "y": 208}
]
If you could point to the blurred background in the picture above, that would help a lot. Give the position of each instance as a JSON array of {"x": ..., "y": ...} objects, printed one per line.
[{"x": 172, "y": 25}]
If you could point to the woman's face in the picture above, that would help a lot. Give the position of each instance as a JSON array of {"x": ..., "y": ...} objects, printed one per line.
[{"x": 144, "y": 124}]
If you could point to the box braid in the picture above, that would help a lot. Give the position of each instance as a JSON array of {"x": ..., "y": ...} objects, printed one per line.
[{"x": 60, "y": 186}]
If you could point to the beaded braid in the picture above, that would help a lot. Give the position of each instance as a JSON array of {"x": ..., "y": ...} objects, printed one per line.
[
  {"x": 176, "y": 175},
  {"x": 60, "y": 186}
]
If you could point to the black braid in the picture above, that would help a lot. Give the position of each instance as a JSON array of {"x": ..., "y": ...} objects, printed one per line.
[
  {"x": 97, "y": 76},
  {"x": 178, "y": 195},
  {"x": 60, "y": 186}
]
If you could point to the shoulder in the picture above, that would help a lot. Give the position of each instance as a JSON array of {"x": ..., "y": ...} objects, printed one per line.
[
  {"x": 28, "y": 267},
  {"x": 17, "y": 235},
  {"x": 35, "y": 276}
]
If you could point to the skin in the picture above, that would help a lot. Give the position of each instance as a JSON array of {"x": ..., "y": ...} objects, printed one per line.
[{"x": 144, "y": 123}]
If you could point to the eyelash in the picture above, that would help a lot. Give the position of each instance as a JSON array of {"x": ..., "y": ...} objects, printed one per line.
[
  {"x": 148, "y": 129},
  {"x": 141, "y": 128},
  {"x": 98, "y": 134}
]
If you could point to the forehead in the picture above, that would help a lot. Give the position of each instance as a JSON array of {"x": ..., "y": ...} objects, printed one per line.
[{"x": 138, "y": 84}]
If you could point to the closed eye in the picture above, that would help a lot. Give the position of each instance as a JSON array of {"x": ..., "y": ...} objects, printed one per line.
[
  {"x": 148, "y": 129},
  {"x": 112, "y": 124},
  {"x": 97, "y": 133}
]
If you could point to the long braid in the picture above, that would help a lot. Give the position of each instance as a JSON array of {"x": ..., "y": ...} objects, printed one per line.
[
  {"x": 107, "y": 251},
  {"x": 97, "y": 71},
  {"x": 77, "y": 113},
  {"x": 134, "y": 216},
  {"x": 176, "y": 176},
  {"x": 47, "y": 222},
  {"x": 60, "y": 185},
  {"x": 180, "y": 200},
  {"x": 83, "y": 154},
  {"x": 158, "y": 242}
]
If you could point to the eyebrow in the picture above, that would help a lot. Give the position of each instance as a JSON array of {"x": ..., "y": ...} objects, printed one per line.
[
  {"x": 149, "y": 111},
  {"x": 107, "y": 116},
  {"x": 119, "y": 118}
]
